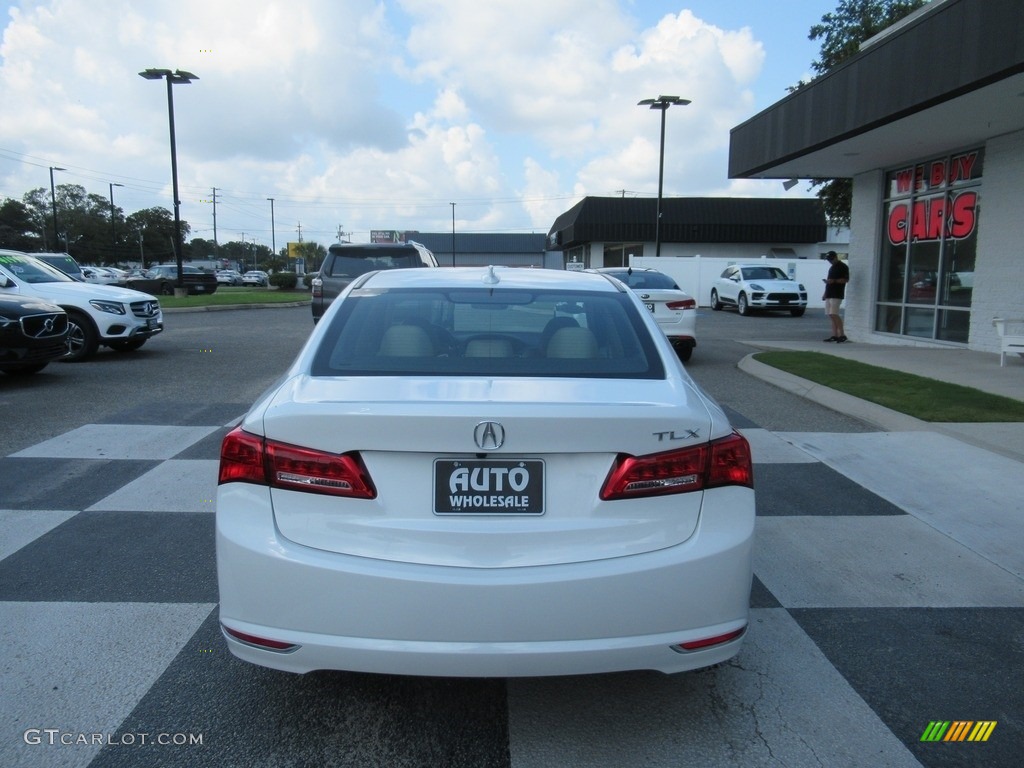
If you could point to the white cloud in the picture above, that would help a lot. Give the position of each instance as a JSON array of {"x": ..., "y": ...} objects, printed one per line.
[{"x": 369, "y": 114}]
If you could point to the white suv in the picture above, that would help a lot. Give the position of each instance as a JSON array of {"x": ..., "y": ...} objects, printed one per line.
[
  {"x": 758, "y": 286},
  {"x": 106, "y": 315}
]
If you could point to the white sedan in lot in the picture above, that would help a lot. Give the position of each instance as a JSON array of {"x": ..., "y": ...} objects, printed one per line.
[
  {"x": 485, "y": 472},
  {"x": 751, "y": 287},
  {"x": 256, "y": 277},
  {"x": 673, "y": 308}
]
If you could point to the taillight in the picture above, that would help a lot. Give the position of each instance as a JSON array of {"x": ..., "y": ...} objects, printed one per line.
[
  {"x": 241, "y": 458},
  {"x": 723, "y": 462},
  {"x": 684, "y": 304},
  {"x": 260, "y": 642},
  {"x": 707, "y": 642},
  {"x": 317, "y": 286},
  {"x": 248, "y": 458}
]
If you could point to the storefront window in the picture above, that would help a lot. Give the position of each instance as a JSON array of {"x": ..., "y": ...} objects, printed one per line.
[
  {"x": 924, "y": 273},
  {"x": 927, "y": 260}
]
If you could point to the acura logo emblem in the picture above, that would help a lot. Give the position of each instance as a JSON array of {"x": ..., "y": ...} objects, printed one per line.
[{"x": 489, "y": 435}]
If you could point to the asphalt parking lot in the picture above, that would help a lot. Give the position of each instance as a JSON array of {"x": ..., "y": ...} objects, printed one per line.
[{"x": 871, "y": 616}]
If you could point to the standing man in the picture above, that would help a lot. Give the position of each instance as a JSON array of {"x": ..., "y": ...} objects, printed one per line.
[{"x": 835, "y": 292}]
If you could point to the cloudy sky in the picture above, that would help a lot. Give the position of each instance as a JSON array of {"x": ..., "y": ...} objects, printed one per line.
[{"x": 378, "y": 114}]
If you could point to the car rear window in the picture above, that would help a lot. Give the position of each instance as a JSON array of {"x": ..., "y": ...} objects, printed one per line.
[
  {"x": 652, "y": 280},
  {"x": 354, "y": 262},
  {"x": 487, "y": 332}
]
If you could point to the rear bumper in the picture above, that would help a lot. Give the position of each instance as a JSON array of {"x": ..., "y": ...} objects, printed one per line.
[{"x": 361, "y": 614}]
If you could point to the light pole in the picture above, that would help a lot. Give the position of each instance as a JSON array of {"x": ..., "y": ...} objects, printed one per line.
[
  {"x": 178, "y": 77},
  {"x": 453, "y": 233},
  {"x": 53, "y": 202},
  {"x": 661, "y": 103},
  {"x": 273, "y": 238},
  {"x": 113, "y": 223}
]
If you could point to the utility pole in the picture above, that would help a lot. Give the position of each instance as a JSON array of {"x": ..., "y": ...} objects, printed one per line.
[
  {"x": 273, "y": 235},
  {"x": 216, "y": 246}
]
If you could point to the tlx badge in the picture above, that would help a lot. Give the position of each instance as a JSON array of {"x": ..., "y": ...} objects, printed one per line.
[{"x": 687, "y": 434}]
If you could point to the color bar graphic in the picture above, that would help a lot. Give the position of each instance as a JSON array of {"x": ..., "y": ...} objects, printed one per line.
[{"x": 958, "y": 730}]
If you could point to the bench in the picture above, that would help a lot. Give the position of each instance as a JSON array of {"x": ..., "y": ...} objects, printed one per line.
[{"x": 1009, "y": 342}]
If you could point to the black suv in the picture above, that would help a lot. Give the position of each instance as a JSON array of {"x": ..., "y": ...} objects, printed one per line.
[
  {"x": 161, "y": 279},
  {"x": 33, "y": 333},
  {"x": 346, "y": 261}
]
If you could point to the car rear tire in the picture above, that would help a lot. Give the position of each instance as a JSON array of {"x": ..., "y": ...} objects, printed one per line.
[
  {"x": 715, "y": 303},
  {"x": 797, "y": 312},
  {"x": 684, "y": 352},
  {"x": 166, "y": 289},
  {"x": 741, "y": 304},
  {"x": 83, "y": 340}
]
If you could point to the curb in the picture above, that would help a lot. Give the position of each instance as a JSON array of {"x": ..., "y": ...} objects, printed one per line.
[
  {"x": 226, "y": 307},
  {"x": 878, "y": 415}
]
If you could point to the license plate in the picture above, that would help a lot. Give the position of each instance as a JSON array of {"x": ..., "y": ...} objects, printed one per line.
[
  {"x": 650, "y": 305},
  {"x": 488, "y": 487}
]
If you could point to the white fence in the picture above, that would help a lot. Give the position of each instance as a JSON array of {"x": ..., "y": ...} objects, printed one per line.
[{"x": 696, "y": 274}]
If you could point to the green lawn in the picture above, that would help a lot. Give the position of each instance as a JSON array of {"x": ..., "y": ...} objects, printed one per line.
[
  {"x": 235, "y": 295},
  {"x": 922, "y": 398}
]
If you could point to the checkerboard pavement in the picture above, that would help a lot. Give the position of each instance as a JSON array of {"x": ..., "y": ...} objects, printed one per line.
[{"x": 889, "y": 592}]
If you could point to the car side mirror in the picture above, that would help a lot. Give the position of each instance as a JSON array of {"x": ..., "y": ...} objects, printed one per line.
[{"x": 5, "y": 282}]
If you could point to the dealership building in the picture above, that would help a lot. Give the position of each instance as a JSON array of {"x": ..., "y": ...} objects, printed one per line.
[{"x": 928, "y": 120}]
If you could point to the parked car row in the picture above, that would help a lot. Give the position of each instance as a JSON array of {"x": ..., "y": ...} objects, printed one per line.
[{"x": 48, "y": 315}]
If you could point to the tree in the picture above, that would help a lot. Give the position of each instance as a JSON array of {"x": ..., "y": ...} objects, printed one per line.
[
  {"x": 156, "y": 227},
  {"x": 313, "y": 255},
  {"x": 200, "y": 249},
  {"x": 83, "y": 221},
  {"x": 841, "y": 33},
  {"x": 18, "y": 229}
]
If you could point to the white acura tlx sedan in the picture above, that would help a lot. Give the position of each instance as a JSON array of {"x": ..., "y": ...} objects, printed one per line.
[{"x": 485, "y": 472}]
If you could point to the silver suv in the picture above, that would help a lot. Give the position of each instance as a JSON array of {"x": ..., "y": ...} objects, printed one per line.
[{"x": 346, "y": 261}]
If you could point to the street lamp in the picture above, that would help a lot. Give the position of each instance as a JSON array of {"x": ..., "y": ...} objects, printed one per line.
[
  {"x": 273, "y": 238},
  {"x": 661, "y": 103},
  {"x": 453, "y": 233},
  {"x": 53, "y": 202},
  {"x": 113, "y": 222},
  {"x": 178, "y": 77}
]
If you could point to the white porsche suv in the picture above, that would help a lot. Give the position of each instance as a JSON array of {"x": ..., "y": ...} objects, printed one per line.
[
  {"x": 106, "y": 315},
  {"x": 750, "y": 287}
]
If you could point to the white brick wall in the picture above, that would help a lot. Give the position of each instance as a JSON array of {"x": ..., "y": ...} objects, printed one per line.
[
  {"x": 999, "y": 275},
  {"x": 866, "y": 220}
]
